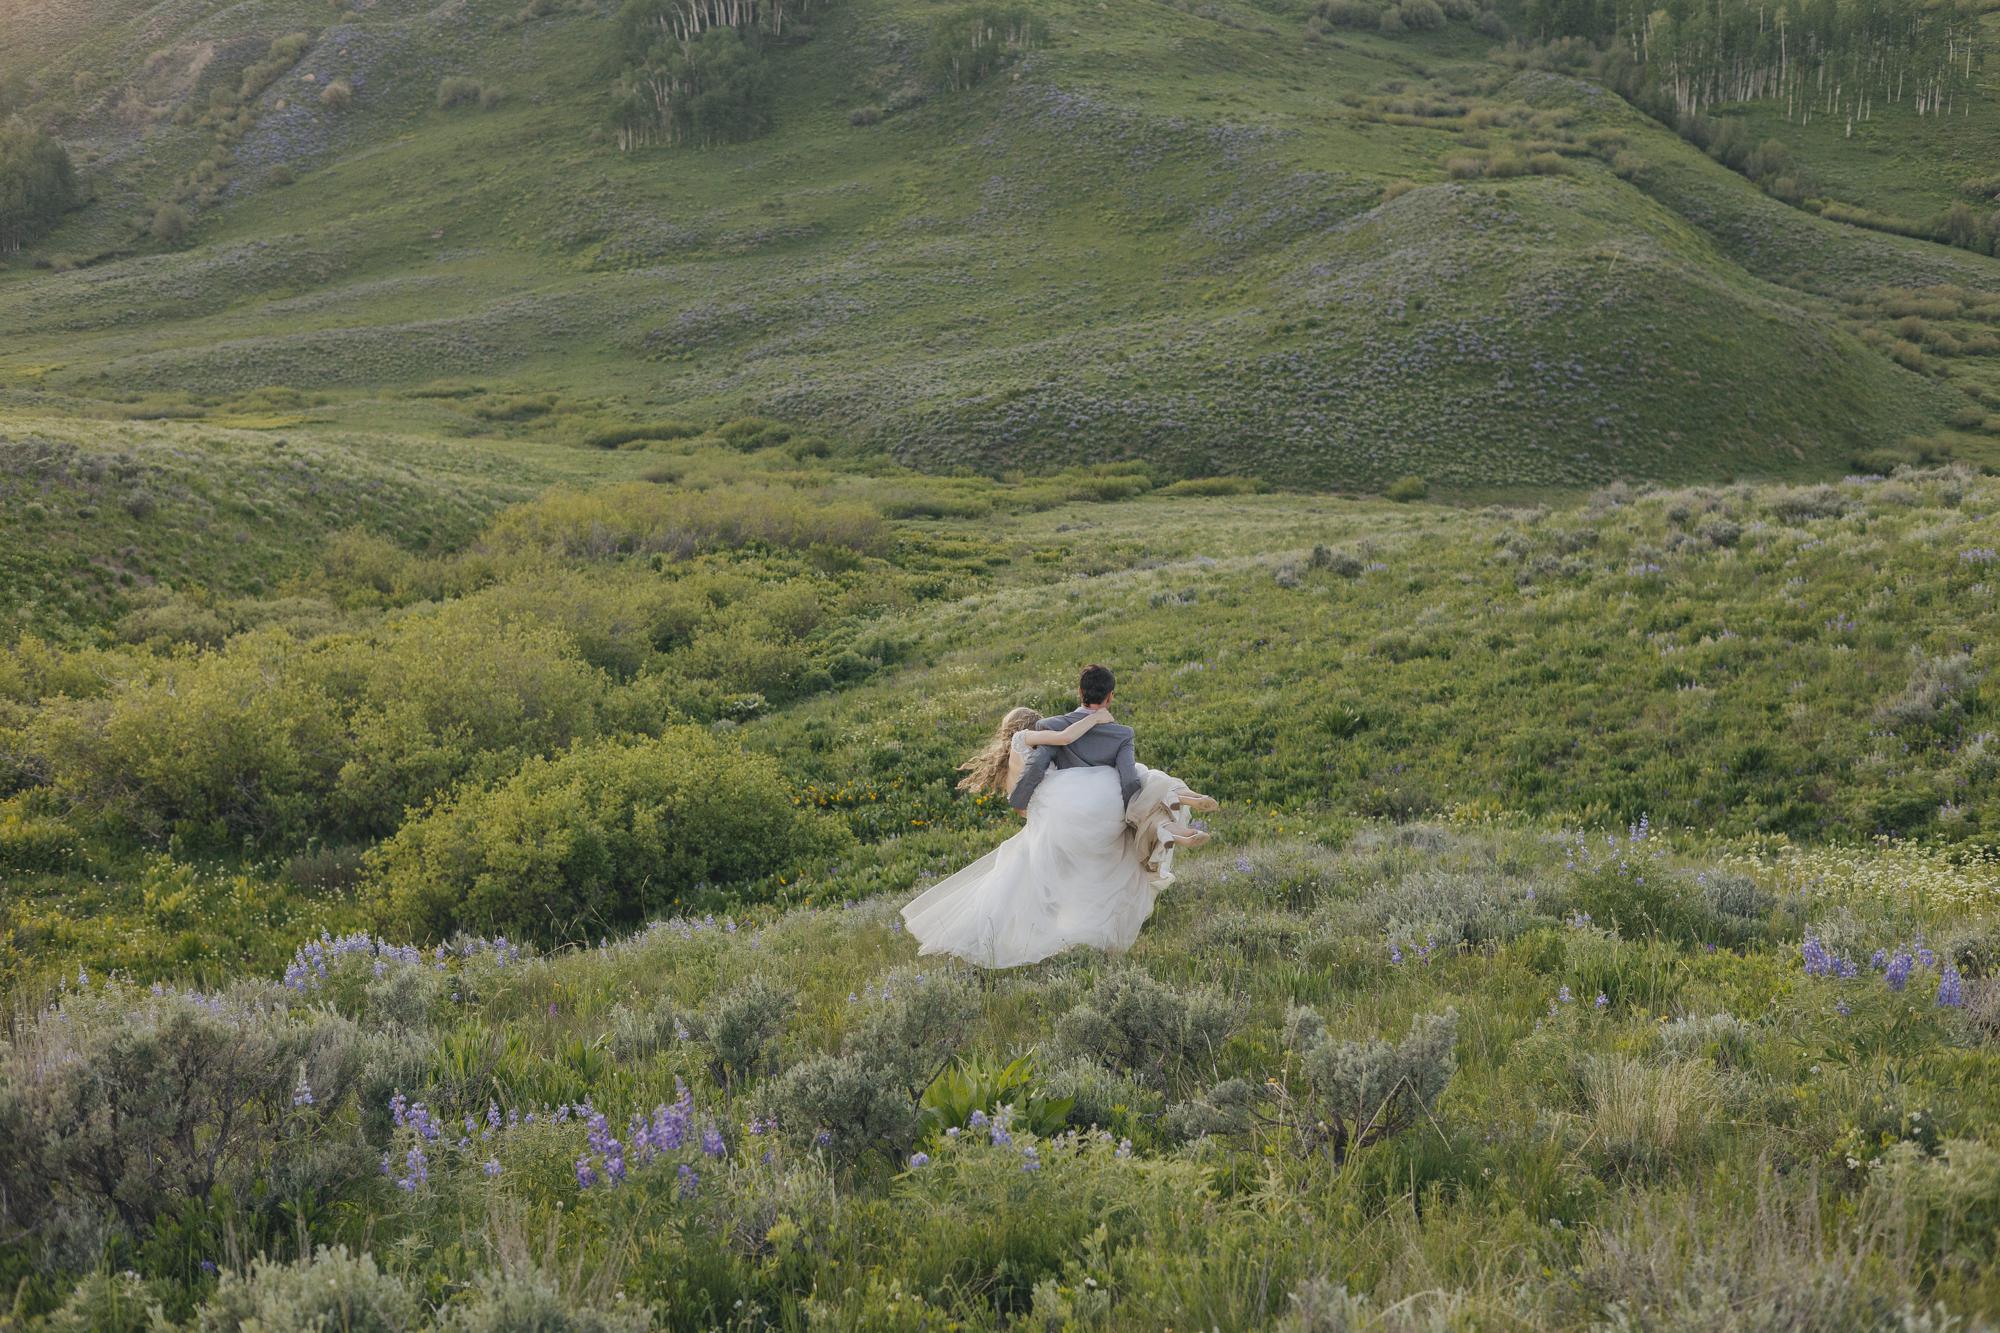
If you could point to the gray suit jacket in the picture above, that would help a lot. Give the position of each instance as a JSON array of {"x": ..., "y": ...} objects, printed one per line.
[{"x": 1107, "y": 746}]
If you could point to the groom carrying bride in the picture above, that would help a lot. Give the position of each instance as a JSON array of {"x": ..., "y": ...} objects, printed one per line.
[
  {"x": 1100, "y": 834},
  {"x": 1153, "y": 805}
]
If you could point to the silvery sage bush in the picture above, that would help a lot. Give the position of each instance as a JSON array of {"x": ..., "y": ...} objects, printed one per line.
[
  {"x": 1133, "y": 1023},
  {"x": 865, "y": 1098},
  {"x": 332, "y": 1290},
  {"x": 1359, "y": 1092},
  {"x": 116, "y": 1105}
]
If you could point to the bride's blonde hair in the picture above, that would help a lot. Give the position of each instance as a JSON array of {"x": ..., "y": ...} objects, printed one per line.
[{"x": 987, "y": 770}]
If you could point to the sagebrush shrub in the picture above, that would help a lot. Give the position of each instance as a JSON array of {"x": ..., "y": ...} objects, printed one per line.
[
  {"x": 110, "y": 1303},
  {"x": 1359, "y": 1092},
  {"x": 528, "y": 1300},
  {"x": 1133, "y": 1023},
  {"x": 917, "y": 1027},
  {"x": 845, "y": 1104},
  {"x": 332, "y": 1290},
  {"x": 119, "y": 1106},
  {"x": 741, "y": 1029}
]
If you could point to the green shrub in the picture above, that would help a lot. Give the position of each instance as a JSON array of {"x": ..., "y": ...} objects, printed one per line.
[
  {"x": 32, "y": 842},
  {"x": 640, "y": 517},
  {"x": 1405, "y": 489},
  {"x": 529, "y": 1300},
  {"x": 741, "y": 1028},
  {"x": 457, "y": 90},
  {"x": 331, "y": 1290},
  {"x": 593, "y": 840},
  {"x": 613, "y": 437},
  {"x": 171, "y": 224},
  {"x": 111, "y": 1303},
  {"x": 1131, "y": 1022},
  {"x": 1362, "y": 14},
  {"x": 437, "y": 697},
  {"x": 118, "y": 1107},
  {"x": 1359, "y": 1092},
  {"x": 337, "y": 96},
  {"x": 218, "y": 747},
  {"x": 37, "y": 183}
]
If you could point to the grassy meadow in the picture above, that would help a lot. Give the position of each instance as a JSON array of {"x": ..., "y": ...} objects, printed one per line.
[
  {"x": 501, "y": 558},
  {"x": 1602, "y": 926}
]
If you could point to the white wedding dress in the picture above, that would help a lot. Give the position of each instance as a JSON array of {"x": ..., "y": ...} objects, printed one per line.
[{"x": 1069, "y": 877}]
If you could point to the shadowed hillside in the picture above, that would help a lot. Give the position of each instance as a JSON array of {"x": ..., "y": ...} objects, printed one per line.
[{"x": 1197, "y": 238}]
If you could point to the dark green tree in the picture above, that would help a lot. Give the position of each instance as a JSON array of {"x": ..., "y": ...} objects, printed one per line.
[{"x": 37, "y": 184}]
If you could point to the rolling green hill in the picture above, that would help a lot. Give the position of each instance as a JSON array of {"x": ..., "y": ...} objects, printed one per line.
[{"x": 1191, "y": 236}]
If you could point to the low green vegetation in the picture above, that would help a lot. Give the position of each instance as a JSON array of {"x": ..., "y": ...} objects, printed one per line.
[{"x": 1399, "y": 1066}]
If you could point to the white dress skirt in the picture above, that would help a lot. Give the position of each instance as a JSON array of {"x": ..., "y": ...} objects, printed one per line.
[{"x": 1072, "y": 876}]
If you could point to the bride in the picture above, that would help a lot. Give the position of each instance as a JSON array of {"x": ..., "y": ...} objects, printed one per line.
[{"x": 1072, "y": 876}]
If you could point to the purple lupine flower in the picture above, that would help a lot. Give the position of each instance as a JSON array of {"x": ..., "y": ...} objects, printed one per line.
[
  {"x": 1950, "y": 991},
  {"x": 1030, "y": 1159},
  {"x": 398, "y": 1107},
  {"x": 1817, "y": 961},
  {"x": 302, "y": 1094},
  {"x": 1843, "y": 1008},
  {"x": 977, "y": 1120},
  {"x": 999, "y": 1134},
  {"x": 614, "y": 1166},
  {"x": 1395, "y": 956},
  {"x": 1243, "y": 865},
  {"x": 823, "y": 1139},
  {"x": 492, "y": 1167},
  {"x": 1879, "y": 959},
  {"x": 1602, "y": 1000},
  {"x": 585, "y": 1177},
  {"x": 689, "y": 1180},
  {"x": 1897, "y": 974},
  {"x": 493, "y": 1115},
  {"x": 712, "y": 1144},
  {"x": 416, "y": 1170},
  {"x": 1124, "y": 1148},
  {"x": 208, "y": 1268},
  {"x": 921, "y": 1159},
  {"x": 1565, "y": 996}
]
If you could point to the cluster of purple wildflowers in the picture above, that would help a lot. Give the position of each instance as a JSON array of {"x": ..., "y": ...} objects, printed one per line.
[
  {"x": 1820, "y": 962},
  {"x": 1422, "y": 952},
  {"x": 685, "y": 927},
  {"x": 1896, "y": 967},
  {"x": 313, "y": 961},
  {"x": 608, "y": 1161},
  {"x": 1979, "y": 555},
  {"x": 1628, "y": 856}
]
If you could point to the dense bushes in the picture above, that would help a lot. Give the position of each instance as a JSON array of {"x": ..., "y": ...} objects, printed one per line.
[
  {"x": 638, "y": 517},
  {"x": 263, "y": 743},
  {"x": 972, "y": 44},
  {"x": 127, "y": 1109},
  {"x": 594, "y": 840},
  {"x": 37, "y": 184}
]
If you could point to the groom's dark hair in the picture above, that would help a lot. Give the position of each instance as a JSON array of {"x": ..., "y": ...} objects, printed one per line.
[{"x": 1095, "y": 684}]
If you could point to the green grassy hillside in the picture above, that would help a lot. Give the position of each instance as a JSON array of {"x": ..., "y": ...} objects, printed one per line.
[{"x": 1184, "y": 236}]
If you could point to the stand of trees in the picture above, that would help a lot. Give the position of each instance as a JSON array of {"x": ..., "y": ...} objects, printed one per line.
[
  {"x": 1817, "y": 57},
  {"x": 693, "y": 70},
  {"x": 37, "y": 184}
]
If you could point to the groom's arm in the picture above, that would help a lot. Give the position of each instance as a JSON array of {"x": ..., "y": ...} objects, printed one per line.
[
  {"x": 1031, "y": 776},
  {"x": 1128, "y": 772}
]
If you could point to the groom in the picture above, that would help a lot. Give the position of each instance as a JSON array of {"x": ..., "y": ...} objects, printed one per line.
[{"x": 1106, "y": 746}]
